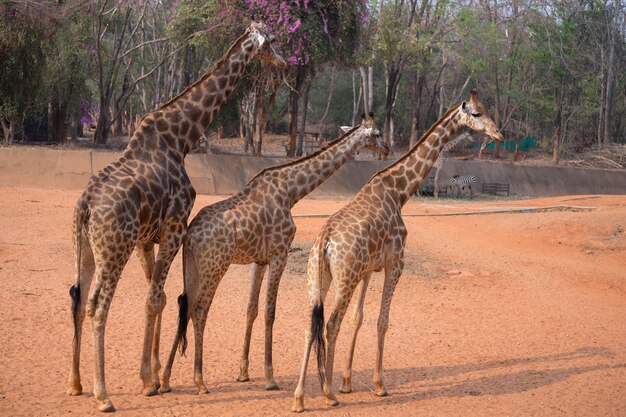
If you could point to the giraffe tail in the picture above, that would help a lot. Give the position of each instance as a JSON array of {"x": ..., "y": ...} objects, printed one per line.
[
  {"x": 183, "y": 305},
  {"x": 319, "y": 344},
  {"x": 317, "y": 314},
  {"x": 81, "y": 215},
  {"x": 183, "y": 320}
]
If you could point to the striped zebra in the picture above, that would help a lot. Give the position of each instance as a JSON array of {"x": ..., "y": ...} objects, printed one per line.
[{"x": 461, "y": 182}]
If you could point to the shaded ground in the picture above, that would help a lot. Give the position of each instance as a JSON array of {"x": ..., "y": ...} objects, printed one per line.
[{"x": 499, "y": 314}]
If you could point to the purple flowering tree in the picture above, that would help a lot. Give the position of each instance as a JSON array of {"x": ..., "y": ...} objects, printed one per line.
[{"x": 311, "y": 34}]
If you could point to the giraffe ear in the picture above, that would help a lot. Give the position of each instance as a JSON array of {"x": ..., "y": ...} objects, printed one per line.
[
  {"x": 345, "y": 129},
  {"x": 467, "y": 108}
]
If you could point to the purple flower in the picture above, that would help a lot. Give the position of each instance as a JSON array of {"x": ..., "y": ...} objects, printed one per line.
[{"x": 295, "y": 26}]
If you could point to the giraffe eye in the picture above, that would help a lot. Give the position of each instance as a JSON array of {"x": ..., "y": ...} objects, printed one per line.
[{"x": 475, "y": 114}]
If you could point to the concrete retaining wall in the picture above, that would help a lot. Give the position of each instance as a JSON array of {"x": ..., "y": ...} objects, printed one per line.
[
  {"x": 540, "y": 181},
  {"x": 227, "y": 174}
]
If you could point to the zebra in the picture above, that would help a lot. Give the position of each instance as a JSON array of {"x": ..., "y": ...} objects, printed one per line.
[{"x": 461, "y": 182}]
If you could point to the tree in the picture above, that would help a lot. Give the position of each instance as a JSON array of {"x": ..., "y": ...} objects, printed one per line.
[
  {"x": 122, "y": 34},
  {"x": 311, "y": 34},
  {"x": 22, "y": 44},
  {"x": 396, "y": 43}
]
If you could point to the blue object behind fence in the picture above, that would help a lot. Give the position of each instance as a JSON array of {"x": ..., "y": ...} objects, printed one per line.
[{"x": 525, "y": 144}]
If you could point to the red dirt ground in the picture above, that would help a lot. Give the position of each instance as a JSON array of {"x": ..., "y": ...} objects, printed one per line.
[{"x": 495, "y": 315}]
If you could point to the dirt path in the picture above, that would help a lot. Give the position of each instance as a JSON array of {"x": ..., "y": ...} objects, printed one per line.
[{"x": 499, "y": 314}]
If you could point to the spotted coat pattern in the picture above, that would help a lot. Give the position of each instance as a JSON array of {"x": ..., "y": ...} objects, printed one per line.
[
  {"x": 255, "y": 226},
  {"x": 141, "y": 199},
  {"x": 368, "y": 235}
]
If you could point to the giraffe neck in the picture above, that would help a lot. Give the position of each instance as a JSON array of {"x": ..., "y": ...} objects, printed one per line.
[
  {"x": 304, "y": 175},
  {"x": 181, "y": 121},
  {"x": 402, "y": 178}
]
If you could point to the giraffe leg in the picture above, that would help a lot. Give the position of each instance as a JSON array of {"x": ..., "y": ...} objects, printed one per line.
[
  {"x": 200, "y": 305},
  {"x": 277, "y": 266},
  {"x": 357, "y": 320},
  {"x": 87, "y": 268},
  {"x": 167, "y": 371},
  {"x": 154, "y": 305},
  {"x": 298, "y": 395},
  {"x": 190, "y": 279},
  {"x": 256, "y": 279},
  {"x": 146, "y": 258},
  {"x": 343, "y": 293},
  {"x": 156, "y": 338},
  {"x": 392, "y": 275},
  {"x": 98, "y": 309},
  {"x": 316, "y": 293},
  {"x": 198, "y": 316}
]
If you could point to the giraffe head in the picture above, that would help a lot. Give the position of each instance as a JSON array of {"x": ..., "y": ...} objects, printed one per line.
[
  {"x": 474, "y": 115},
  {"x": 371, "y": 137},
  {"x": 264, "y": 41}
]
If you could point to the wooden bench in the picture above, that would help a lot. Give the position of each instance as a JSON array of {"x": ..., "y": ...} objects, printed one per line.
[{"x": 495, "y": 188}]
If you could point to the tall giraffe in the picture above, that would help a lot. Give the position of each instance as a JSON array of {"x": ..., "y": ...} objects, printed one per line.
[
  {"x": 253, "y": 226},
  {"x": 367, "y": 235},
  {"x": 144, "y": 198}
]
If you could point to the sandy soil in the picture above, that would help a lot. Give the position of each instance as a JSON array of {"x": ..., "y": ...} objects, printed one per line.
[{"x": 501, "y": 314}]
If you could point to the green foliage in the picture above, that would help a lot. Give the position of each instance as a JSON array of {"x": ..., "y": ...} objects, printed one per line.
[{"x": 22, "y": 45}]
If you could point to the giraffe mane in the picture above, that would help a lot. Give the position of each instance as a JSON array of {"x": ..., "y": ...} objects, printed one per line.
[
  {"x": 421, "y": 140},
  {"x": 207, "y": 73},
  {"x": 306, "y": 158}
]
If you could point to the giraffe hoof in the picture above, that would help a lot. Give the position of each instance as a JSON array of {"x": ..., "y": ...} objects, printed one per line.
[
  {"x": 381, "y": 392},
  {"x": 345, "y": 389},
  {"x": 165, "y": 388},
  {"x": 106, "y": 406},
  {"x": 73, "y": 391},
  {"x": 203, "y": 391},
  {"x": 150, "y": 391},
  {"x": 243, "y": 378},
  {"x": 332, "y": 401},
  {"x": 272, "y": 386},
  {"x": 298, "y": 405}
]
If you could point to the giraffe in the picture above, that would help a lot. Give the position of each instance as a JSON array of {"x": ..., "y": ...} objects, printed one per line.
[
  {"x": 144, "y": 198},
  {"x": 368, "y": 235},
  {"x": 254, "y": 226}
]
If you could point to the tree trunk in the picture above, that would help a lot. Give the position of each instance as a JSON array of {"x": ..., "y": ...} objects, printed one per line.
[
  {"x": 418, "y": 85},
  {"x": 609, "y": 90},
  {"x": 258, "y": 124},
  {"x": 557, "y": 123},
  {"x": 79, "y": 128},
  {"x": 8, "y": 130},
  {"x": 496, "y": 111},
  {"x": 366, "y": 84},
  {"x": 119, "y": 125},
  {"x": 356, "y": 100},
  {"x": 294, "y": 96},
  {"x": 393, "y": 79},
  {"x": 305, "y": 105},
  {"x": 293, "y": 122},
  {"x": 102, "y": 126},
  {"x": 73, "y": 130},
  {"x": 331, "y": 88},
  {"x": 57, "y": 130}
]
